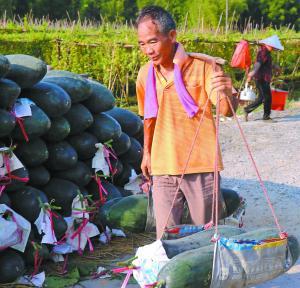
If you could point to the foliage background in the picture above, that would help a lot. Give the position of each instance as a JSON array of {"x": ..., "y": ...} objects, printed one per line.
[
  {"x": 261, "y": 12},
  {"x": 96, "y": 36}
]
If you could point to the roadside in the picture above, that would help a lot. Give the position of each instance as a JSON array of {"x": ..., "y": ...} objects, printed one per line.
[{"x": 275, "y": 147}]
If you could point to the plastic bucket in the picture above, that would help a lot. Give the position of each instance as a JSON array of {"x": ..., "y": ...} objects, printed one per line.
[{"x": 278, "y": 99}]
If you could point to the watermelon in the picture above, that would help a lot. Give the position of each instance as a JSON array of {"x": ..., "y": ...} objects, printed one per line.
[
  {"x": 16, "y": 184},
  {"x": 232, "y": 201},
  {"x": 4, "y": 66},
  {"x": 122, "y": 144},
  {"x": 30, "y": 252},
  {"x": 197, "y": 240},
  {"x": 100, "y": 100},
  {"x": 80, "y": 118},
  {"x": 123, "y": 178},
  {"x": 4, "y": 199},
  {"x": 35, "y": 125},
  {"x": 130, "y": 213},
  {"x": 131, "y": 123},
  {"x": 9, "y": 92},
  {"x": 84, "y": 144},
  {"x": 12, "y": 266},
  {"x": 105, "y": 128},
  {"x": 26, "y": 70},
  {"x": 135, "y": 153},
  {"x": 62, "y": 156},
  {"x": 60, "y": 226},
  {"x": 104, "y": 210},
  {"x": 63, "y": 192},
  {"x": 193, "y": 268},
  {"x": 124, "y": 192},
  {"x": 51, "y": 98},
  {"x": 32, "y": 153},
  {"x": 8, "y": 123},
  {"x": 26, "y": 202},
  {"x": 117, "y": 166},
  {"x": 76, "y": 86},
  {"x": 80, "y": 174},
  {"x": 83, "y": 191},
  {"x": 112, "y": 191},
  {"x": 38, "y": 176},
  {"x": 59, "y": 130},
  {"x": 140, "y": 136}
]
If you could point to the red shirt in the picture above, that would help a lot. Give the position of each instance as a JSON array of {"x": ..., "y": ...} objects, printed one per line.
[{"x": 265, "y": 71}]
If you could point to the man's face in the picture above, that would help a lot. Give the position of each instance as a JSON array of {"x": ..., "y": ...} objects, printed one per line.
[{"x": 157, "y": 46}]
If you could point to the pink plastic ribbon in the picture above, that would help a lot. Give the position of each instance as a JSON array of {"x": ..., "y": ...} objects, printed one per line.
[
  {"x": 20, "y": 121},
  {"x": 37, "y": 262},
  {"x": 51, "y": 215},
  {"x": 78, "y": 232},
  {"x": 129, "y": 273},
  {"x": 11, "y": 176},
  {"x": 101, "y": 189},
  {"x": 109, "y": 152}
]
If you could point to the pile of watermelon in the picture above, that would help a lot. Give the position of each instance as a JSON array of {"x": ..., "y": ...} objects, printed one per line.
[{"x": 53, "y": 122}]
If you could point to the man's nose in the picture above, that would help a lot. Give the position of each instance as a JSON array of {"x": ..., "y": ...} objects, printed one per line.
[{"x": 149, "y": 50}]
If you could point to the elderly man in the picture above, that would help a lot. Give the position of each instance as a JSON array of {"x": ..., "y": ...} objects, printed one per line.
[{"x": 172, "y": 91}]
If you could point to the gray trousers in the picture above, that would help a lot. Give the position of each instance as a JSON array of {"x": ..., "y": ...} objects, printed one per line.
[{"x": 196, "y": 189}]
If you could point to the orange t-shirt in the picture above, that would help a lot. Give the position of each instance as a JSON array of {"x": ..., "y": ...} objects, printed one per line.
[{"x": 174, "y": 131}]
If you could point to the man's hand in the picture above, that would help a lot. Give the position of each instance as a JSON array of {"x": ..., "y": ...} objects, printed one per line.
[
  {"x": 146, "y": 166},
  {"x": 222, "y": 83}
]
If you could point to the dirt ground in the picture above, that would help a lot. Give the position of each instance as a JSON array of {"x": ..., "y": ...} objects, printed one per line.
[{"x": 275, "y": 147}]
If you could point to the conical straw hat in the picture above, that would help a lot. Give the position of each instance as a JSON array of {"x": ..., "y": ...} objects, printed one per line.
[{"x": 272, "y": 41}]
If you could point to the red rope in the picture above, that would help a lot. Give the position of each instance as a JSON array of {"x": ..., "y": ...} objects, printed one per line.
[
  {"x": 216, "y": 191},
  {"x": 281, "y": 233}
]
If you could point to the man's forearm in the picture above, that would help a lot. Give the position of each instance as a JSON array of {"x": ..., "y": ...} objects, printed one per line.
[
  {"x": 225, "y": 108},
  {"x": 149, "y": 126}
]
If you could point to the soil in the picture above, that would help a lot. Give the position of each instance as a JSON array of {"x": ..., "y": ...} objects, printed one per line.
[{"x": 275, "y": 147}]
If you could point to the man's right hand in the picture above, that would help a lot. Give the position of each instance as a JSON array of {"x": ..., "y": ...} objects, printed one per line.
[{"x": 146, "y": 166}]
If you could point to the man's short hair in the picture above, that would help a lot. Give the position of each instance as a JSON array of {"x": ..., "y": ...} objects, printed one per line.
[{"x": 159, "y": 16}]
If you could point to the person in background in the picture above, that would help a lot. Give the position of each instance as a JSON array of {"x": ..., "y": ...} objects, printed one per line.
[
  {"x": 262, "y": 74},
  {"x": 172, "y": 89}
]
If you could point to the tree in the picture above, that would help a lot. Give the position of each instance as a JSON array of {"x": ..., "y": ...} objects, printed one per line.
[
  {"x": 90, "y": 9},
  {"x": 118, "y": 10},
  {"x": 212, "y": 11},
  {"x": 281, "y": 12},
  {"x": 8, "y": 7}
]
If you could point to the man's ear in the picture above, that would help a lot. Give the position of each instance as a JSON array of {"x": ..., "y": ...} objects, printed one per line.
[{"x": 172, "y": 35}]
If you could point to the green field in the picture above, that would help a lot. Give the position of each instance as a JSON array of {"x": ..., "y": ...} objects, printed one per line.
[{"x": 109, "y": 53}]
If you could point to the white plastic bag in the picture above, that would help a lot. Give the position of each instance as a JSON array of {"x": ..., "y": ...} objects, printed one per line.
[{"x": 16, "y": 226}]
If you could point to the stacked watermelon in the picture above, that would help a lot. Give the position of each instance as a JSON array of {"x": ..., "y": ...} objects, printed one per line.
[{"x": 56, "y": 143}]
